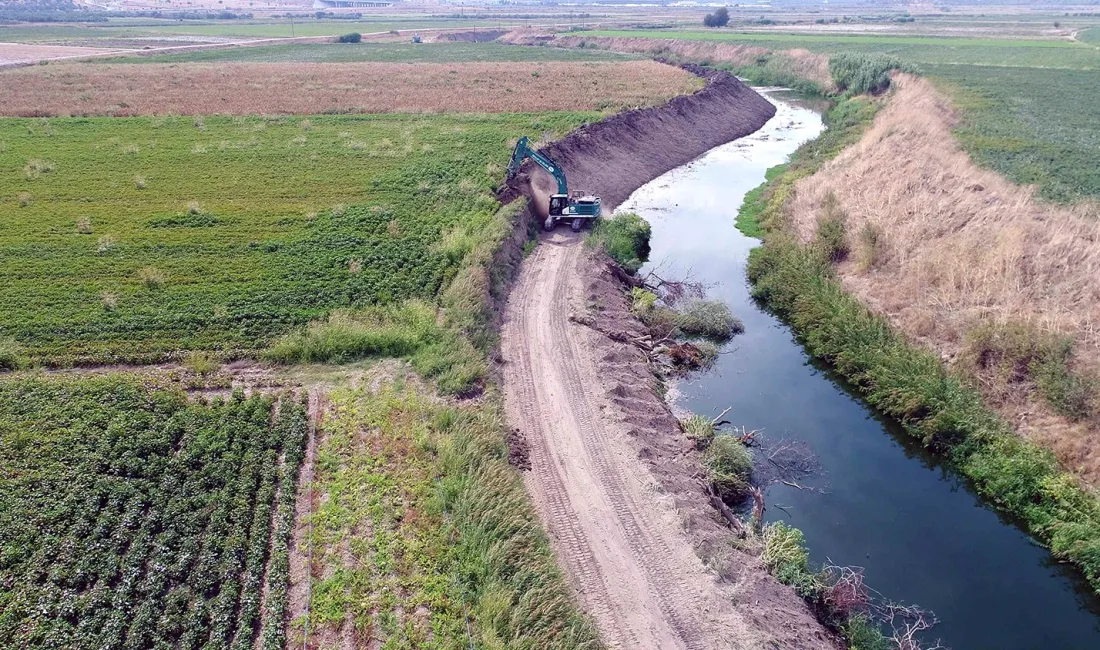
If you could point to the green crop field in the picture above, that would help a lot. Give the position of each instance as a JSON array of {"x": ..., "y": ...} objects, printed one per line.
[
  {"x": 133, "y": 518},
  {"x": 281, "y": 28},
  {"x": 1029, "y": 107},
  {"x": 443, "y": 52},
  {"x": 131, "y": 239},
  {"x": 1090, "y": 36},
  {"x": 1033, "y": 125}
]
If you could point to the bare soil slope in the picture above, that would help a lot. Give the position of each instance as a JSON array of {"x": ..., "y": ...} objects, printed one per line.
[{"x": 613, "y": 477}]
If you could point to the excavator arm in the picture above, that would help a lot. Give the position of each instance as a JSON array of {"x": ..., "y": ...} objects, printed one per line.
[{"x": 523, "y": 151}]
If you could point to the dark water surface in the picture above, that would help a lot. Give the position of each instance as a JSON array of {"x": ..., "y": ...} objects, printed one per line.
[{"x": 919, "y": 531}]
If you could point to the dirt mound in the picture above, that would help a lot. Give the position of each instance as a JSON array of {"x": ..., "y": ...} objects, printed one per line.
[
  {"x": 614, "y": 157},
  {"x": 473, "y": 35}
]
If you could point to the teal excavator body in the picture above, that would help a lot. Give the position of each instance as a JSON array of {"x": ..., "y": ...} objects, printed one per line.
[{"x": 577, "y": 208}]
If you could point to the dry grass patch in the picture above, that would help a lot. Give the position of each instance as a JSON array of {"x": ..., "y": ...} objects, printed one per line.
[
  {"x": 798, "y": 62},
  {"x": 303, "y": 88},
  {"x": 16, "y": 53},
  {"x": 944, "y": 247}
]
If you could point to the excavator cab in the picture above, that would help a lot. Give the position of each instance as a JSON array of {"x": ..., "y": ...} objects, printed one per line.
[{"x": 559, "y": 205}]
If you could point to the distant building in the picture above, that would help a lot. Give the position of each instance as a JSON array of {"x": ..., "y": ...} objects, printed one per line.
[{"x": 341, "y": 4}]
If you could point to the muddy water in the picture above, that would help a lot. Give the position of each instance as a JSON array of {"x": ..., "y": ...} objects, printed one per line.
[{"x": 919, "y": 531}]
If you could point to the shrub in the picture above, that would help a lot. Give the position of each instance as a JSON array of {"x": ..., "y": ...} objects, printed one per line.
[
  {"x": 353, "y": 37},
  {"x": 151, "y": 277},
  {"x": 871, "y": 244},
  {"x": 201, "y": 363},
  {"x": 105, "y": 244},
  {"x": 109, "y": 300},
  {"x": 719, "y": 18},
  {"x": 36, "y": 167},
  {"x": 84, "y": 226},
  {"x": 409, "y": 330},
  {"x": 710, "y": 318},
  {"x": 862, "y": 72},
  {"x": 348, "y": 335},
  {"x": 12, "y": 355},
  {"x": 699, "y": 429},
  {"x": 625, "y": 238},
  {"x": 1009, "y": 355},
  {"x": 729, "y": 467},
  {"x": 832, "y": 238},
  {"x": 785, "y": 555}
]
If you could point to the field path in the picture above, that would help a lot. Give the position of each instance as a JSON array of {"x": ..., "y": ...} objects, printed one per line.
[{"x": 623, "y": 549}]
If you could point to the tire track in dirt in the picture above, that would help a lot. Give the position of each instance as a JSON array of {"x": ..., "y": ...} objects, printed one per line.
[{"x": 625, "y": 554}]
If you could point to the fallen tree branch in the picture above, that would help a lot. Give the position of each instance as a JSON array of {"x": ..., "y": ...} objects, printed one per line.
[{"x": 724, "y": 510}]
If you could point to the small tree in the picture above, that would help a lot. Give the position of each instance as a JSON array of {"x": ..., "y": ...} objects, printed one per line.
[
  {"x": 353, "y": 37},
  {"x": 719, "y": 18}
]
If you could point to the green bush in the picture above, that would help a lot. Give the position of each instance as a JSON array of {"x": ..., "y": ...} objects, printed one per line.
[
  {"x": 409, "y": 330},
  {"x": 832, "y": 231},
  {"x": 699, "y": 429},
  {"x": 12, "y": 355},
  {"x": 349, "y": 335},
  {"x": 729, "y": 467},
  {"x": 625, "y": 238},
  {"x": 353, "y": 37},
  {"x": 864, "y": 72},
  {"x": 709, "y": 318},
  {"x": 1008, "y": 355}
]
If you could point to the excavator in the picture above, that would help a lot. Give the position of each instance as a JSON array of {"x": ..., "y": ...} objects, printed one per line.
[{"x": 576, "y": 208}]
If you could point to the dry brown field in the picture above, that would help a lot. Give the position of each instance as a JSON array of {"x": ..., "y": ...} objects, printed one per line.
[
  {"x": 24, "y": 52},
  {"x": 297, "y": 88}
]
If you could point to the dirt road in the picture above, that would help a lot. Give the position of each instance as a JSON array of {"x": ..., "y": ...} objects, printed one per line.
[{"x": 622, "y": 547}]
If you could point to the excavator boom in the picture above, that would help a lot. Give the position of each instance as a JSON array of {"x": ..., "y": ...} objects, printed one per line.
[
  {"x": 563, "y": 207},
  {"x": 523, "y": 151}
]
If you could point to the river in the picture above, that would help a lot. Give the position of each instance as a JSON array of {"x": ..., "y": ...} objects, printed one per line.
[{"x": 916, "y": 527}]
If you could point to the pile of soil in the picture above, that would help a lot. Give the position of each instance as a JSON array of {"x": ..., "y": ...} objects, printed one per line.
[
  {"x": 473, "y": 35},
  {"x": 616, "y": 156}
]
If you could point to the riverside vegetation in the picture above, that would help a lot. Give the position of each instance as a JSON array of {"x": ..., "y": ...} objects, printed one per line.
[{"x": 934, "y": 404}]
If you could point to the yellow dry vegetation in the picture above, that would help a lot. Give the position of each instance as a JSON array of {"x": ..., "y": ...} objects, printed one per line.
[
  {"x": 800, "y": 63},
  {"x": 941, "y": 247},
  {"x": 311, "y": 88}
]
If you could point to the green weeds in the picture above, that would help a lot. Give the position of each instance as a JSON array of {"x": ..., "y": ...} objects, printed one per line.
[
  {"x": 421, "y": 495},
  {"x": 860, "y": 72},
  {"x": 729, "y": 467},
  {"x": 625, "y": 238}
]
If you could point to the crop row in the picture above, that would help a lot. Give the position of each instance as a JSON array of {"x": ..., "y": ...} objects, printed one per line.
[{"x": 133, "y": 519}]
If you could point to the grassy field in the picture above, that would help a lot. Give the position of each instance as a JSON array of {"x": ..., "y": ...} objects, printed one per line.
[
  {"x": 281, "y": 28},
  {"x": 1034, "y": 125},
  {"x": 443, "y": 52},
  {"x": 1029, "y": 107},
  {"x": 1090, "y": 36},
  {"x": 134, "y": 239},
  {"x": 133, "y": 518}
]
